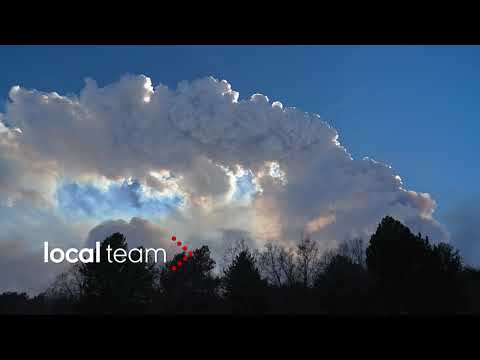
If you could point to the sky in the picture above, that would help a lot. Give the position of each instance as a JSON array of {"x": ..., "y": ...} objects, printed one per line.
[{"x": 413, "y": 108}]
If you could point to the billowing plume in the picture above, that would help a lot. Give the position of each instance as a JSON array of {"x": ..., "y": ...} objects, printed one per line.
[{"x": 221, "y": 164}]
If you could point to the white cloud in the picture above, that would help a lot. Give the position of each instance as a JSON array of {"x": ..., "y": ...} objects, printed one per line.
[{"x": 200, "y": 142}]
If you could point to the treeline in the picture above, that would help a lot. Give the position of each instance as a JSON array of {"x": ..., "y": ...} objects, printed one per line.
[{"x": 396, "y": 272}]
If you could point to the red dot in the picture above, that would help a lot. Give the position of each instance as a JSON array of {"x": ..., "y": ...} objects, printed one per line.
[
  {"x": 179, "y": 263},
  {"x": 179, "y": 243},
  {"x": 185, "y": 258},
  {"x": 173, "y": 268},
  {"x": 185, "y": 248},
  {"x": 190, "y": 253},
  {"x": 174, "y": 238}
]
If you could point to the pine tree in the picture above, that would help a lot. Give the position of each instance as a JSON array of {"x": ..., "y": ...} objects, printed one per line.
[{"x": 243, "y": 285}]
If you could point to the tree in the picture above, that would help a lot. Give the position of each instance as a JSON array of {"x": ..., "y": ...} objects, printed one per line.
[
  {"x": 470, "y": 280},
  {"x": 64, "y": 294},
  {"x": 116, "y": 286},
  {"x": 411, "y": 275},
  {"x": 343, "y": 287},
  {"x": 243, "y": 285},
  {"x": 307, "y": 258},
  {"x": 192, "y": 286},
  {"x": 278, "y": 266},
  {"x": 14, "y": 303},
  {"x": 67, "y": 285},
  {"x": 232, "y": 251},
  {"x": 354, "y": 249},
  {"x": 445, "y": 282}
]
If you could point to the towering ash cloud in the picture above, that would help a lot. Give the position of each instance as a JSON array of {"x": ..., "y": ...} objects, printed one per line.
[{"x": 196, "y": 161}]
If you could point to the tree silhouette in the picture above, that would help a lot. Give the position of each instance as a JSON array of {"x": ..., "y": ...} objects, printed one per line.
[
  {"x": 245, "y": 290},
  {"x": 111, "y": 287},
  {"x": 192, "y": 286},
  {"x": 395, "y": 259},
  {"x": 353, "y": 249},
  {"x": 470, "y": 285},
  {"x": 307, "y": 257},
  {"x": 14, "y": 303},
  {"x": 399, "y": 272},
  {"x": 444, "y": 283},
  {"x": 278, "y": 266},
  {"x": 411, "y": 275},
  {"x": 343, "y": 287}
]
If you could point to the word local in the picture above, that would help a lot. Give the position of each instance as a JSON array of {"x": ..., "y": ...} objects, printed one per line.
[{"x": 88, "y": 255}]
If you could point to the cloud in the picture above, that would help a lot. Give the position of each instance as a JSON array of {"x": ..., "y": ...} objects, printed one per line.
[
  {"x": 124, "y": 197},
  {"x": 463, "y": 223},
  {"x": 20, "y": 268},
  {"x": 24, "y": 230},
  {"x": 138, "y": 232},
  {"x": 196, "y": 161},
  {"x": 17, "y": 170}
]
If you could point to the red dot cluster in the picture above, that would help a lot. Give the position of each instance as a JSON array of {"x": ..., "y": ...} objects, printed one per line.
[{"x": 185, "y": 256}]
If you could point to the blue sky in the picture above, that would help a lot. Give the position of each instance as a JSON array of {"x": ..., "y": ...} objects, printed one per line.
[{"x": 413, "y": 107}]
